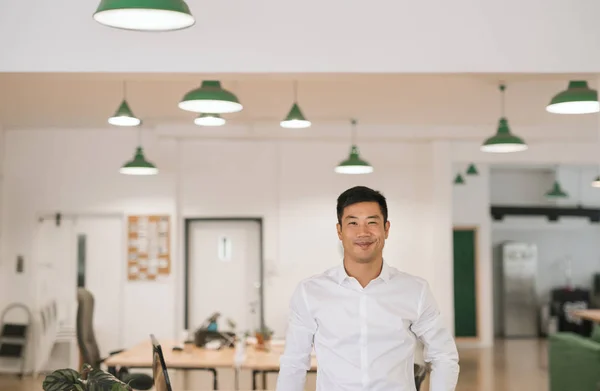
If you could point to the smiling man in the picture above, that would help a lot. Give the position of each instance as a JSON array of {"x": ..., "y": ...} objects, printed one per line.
[{"x": 364, "y": 317}]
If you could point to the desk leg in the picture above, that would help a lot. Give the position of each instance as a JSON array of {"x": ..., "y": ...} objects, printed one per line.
[
  {"x": 215, "y": 380},
  {"x": 254, "y": 373},
  {"x": 264, "y": 380}
]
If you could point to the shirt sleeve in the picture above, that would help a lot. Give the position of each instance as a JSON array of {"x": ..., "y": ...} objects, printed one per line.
[
  {"x": 296, "y": 358},
  {"x": 440, "y": 348}
]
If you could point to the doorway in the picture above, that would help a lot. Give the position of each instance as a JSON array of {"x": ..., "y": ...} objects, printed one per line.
[
  {"x": 224, "y": 272},
  {"x": 466, "y": 316}
]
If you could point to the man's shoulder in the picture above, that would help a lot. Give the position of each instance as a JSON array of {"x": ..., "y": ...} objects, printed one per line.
[
  {"x": 406, "y": 278},
  {"x": 322, "y": 279},
  {"x": 325, "y": 276}
]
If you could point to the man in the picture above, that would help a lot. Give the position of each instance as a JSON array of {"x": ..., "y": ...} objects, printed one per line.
[{"x": 363, "y": 317}]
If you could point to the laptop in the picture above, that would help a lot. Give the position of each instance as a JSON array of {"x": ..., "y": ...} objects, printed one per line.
[{"x": 159, "y": 368}]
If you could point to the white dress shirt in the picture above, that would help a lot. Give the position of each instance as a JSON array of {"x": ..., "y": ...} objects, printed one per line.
[{"x": 365, "y": 338}]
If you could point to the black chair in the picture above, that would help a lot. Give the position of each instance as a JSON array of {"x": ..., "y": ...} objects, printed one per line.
[{"x": 88, "y": 347}]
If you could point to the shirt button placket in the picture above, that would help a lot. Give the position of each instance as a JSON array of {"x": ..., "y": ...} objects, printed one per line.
[{"x": 363, "y": 340}]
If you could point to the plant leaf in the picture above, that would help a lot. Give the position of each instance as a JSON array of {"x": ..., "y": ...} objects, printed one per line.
[
  {"x": 99, "y": 380},
  {"x": 62, "y": 380}
]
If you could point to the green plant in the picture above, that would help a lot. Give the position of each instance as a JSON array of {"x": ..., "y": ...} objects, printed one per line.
[
  {"x": 265, "y": 332},
  {"x": 89, "y": 379}
]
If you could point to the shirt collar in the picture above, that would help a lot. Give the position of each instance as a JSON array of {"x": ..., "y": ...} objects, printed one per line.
[{"x": 339, "y": 273}]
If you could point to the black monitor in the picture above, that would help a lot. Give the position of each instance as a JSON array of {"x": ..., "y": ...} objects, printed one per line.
[{"x": 159, "y": 368}]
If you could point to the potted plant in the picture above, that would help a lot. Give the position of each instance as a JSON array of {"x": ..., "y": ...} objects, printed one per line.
[
  {"x": 263, "y": 337},
  {"x": 90, "y": 379}
]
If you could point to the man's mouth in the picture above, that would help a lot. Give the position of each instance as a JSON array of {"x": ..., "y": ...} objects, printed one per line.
[{"x": 364, "y": 245}]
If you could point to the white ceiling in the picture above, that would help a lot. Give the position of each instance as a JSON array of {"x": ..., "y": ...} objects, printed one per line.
[{"x": 83, "y": 100}]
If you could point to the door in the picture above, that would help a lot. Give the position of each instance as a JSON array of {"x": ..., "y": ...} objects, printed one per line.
[
  {"x": 465, "y": 284},
  {"x": 224, "y": 273},
  {"x": 55, "y": 272},
  {"x": 88, "y": 252},
  {"x": 101, "y": 267}
]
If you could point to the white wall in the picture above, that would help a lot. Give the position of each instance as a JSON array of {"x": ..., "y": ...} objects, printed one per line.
[
  {"x": 344, "y": 36},
  {"x": 517, "y": 186},
  {"x": 77, "y": 171},
  {"x": 290, "y": 184}
]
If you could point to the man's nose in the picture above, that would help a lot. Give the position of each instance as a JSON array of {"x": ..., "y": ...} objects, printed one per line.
[{"x": 362, "y": 230}]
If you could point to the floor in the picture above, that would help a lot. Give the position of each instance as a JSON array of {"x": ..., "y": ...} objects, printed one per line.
[{"x": 509, "y": 366}]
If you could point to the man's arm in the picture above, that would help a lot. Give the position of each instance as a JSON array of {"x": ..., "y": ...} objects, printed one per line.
[
  {"x": 295, "y": 361},
  {"x": 440, "y": 348}
]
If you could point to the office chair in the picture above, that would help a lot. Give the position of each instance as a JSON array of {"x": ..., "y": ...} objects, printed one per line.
[
  {"x": 420, "y": 375},
  {"x": 88, "y": 347}
]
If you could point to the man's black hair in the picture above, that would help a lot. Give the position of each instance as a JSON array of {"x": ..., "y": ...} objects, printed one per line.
[{"x": 358, "y": 194}]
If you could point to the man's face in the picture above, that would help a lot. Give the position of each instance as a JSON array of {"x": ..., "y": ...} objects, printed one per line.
[{"x": 363, "y": 232}]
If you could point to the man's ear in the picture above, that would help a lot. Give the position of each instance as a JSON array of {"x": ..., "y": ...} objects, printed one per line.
[
  {"x": 338, "y": 227},
  {"x": 387, "y": 228}
]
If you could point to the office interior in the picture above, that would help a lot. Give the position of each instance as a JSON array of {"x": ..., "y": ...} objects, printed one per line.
[{"x": 125, "y": 211}]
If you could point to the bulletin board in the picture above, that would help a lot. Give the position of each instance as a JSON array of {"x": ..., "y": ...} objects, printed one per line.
[{"x": 149, "y": 255}]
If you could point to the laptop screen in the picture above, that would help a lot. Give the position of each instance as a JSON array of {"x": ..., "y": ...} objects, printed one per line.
[{"x": 159, "y": 368}]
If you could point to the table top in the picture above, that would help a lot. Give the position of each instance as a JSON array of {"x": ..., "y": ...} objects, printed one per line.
[{"x": 140, "y": 356}]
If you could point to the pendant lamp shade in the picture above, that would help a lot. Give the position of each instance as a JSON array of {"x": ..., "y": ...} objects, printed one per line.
[
  {"x": 596, "y": 182},
  {"x": 354, "y": 164},
  {"x": 459, "y": 180},
  {"x": 578, "y": 98},
  {"x": 503, "y": 141},
  {"x": 124, "y": 116},
  {"x": 472, "y": 170},
  {"x": 206, "y": 119},
  {"x": 139, "y": 165},
  {"x": 145, "y": 15},
  {"x": 556, "y": 191},
  {"x": 295, "y": 119},
  {"x": 210, "y": 98}
]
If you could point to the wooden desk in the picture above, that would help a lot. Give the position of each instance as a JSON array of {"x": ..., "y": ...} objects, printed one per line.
[
  {"x": 258, "y": 361},
  {"x": 593, "y": 315},
  {"x": 140, "y": 356}
]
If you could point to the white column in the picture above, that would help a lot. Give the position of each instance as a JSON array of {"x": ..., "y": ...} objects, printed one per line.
[{"x": 440, "y": 254}]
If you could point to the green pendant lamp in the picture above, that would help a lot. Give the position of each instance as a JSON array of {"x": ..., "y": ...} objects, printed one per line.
[
  {"x": 503, "y": 141},
  {"x": 210, "y": 98},
  {"x": 596, "y": 182},
  {"x": 295, "y": 118},
  {"x": 354, "y": 164},
  {"x": 206, "y": 119},
  {"x": 139, "y": 165},
  {"x": 556, "y": 191},
  {"x": 145, "y": 15},
  {"x": 459, "y": 180},
  {"x": 124, "y": 116},
  {"x": 472, "y": 170},
  {"x": 578, "y": 98}
]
